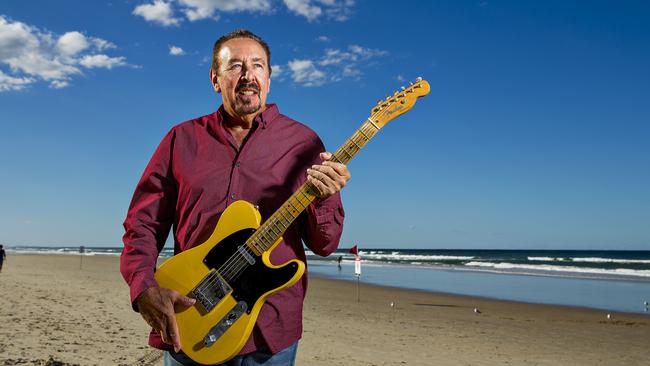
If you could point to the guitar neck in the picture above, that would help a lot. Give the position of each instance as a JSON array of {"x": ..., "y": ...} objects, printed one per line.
[{"x": 273, "y": 228}]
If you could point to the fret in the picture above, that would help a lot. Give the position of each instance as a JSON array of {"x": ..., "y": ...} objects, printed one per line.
[
  {"x": 282, "y": 210},
  {"x": 369, "y": 130},
  {"x": 300, "y": 200},
  {"x": 309, "y": 199},
  {"x": 342, "y": 149},
  {"x": 311, "y": 189},
  {"x": 336, "y": 159},
  {"x": 280, "y": 220},
  {"x": 364, "y": 135},
  {"x": 355, "y": 144},
  {"x": 279, "y": 229},
  {"x": 290, "y": 201},
  {"x": 271, "y": 224}
]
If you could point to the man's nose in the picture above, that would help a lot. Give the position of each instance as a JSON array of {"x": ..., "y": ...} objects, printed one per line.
[{"x": 247, "y": 72}]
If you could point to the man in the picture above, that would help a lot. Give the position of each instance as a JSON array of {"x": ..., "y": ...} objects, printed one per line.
[
  {"x": 245, "y": 150},
  {"x": 3, "y": 256}
]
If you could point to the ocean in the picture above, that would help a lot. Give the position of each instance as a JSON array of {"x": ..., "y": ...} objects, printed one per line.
[{"x": 608, "y": 280}]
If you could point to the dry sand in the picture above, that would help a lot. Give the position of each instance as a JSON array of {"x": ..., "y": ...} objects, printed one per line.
[{"x": 54, "y": 313}]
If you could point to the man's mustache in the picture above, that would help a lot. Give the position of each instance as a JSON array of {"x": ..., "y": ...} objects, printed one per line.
[{"x": 251, "y": 86}]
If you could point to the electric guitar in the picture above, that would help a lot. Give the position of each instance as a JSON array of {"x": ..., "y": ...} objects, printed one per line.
[{"x": 230, "y": 275}]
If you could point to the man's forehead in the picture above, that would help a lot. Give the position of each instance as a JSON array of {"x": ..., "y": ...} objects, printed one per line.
[{"x": 242, "y": 48}]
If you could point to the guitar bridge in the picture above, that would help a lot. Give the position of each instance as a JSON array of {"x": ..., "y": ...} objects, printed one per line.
[
  {"x": 210, "y": 291},
  {"x": 225, "y": 323}
]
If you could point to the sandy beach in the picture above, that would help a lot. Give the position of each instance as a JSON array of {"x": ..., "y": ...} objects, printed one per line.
[{"x": 57, "y": 310}]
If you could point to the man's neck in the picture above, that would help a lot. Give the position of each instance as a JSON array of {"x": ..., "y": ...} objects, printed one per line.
[{"x": 239, "y": 127}]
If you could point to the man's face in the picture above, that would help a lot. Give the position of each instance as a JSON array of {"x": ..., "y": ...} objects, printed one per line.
[{"x": 243, "y": 78}]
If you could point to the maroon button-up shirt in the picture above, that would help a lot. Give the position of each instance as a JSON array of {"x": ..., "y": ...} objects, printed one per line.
[{"x": 196, "y": 172}]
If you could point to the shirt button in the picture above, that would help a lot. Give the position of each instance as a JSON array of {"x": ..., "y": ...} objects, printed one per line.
[
  {"x": 232, "y": 196},
  {"x": 237, "y": 164}
]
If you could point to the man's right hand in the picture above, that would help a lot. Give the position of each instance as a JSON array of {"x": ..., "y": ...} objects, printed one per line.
[{"x": 157, "y": 306}]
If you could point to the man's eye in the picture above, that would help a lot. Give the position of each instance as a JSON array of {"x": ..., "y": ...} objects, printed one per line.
[
  {"x": 235, "y": 66},
  {"x": 259, "y": 66}
]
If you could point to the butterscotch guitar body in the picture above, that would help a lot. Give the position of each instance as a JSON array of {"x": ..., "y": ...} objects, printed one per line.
[{"x": 229, "y": 283}]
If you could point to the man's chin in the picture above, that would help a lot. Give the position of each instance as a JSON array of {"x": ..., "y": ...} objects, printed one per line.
[{"x": 244, "y": 110}]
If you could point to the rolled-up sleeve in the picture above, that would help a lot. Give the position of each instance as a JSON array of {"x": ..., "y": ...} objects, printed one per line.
[
  {"x": 324, "y": 222},
  {"x": 149, "y": 220},
  {"x": 324, "y": 225}
]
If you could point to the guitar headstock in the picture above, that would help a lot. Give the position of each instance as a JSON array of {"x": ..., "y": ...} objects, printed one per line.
[{"x": 399, "y": 103}]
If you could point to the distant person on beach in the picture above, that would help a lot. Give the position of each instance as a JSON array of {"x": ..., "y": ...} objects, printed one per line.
[
  {"x": 246, "y": 150},
  {"x": 339, "y": 259},
  {"x": 3, "y": 256}
]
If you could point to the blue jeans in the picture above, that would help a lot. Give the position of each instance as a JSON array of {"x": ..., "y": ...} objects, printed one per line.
[{"x": 286, "y": 357}]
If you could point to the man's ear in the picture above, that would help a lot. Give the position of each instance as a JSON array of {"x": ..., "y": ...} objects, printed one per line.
[{"x": 214, "y": 80}]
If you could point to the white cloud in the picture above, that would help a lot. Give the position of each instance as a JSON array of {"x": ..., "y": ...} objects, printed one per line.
[
  {"x": 304, "y": 8},
  {"x": 102, "y": 61},
  {"x": 170, "y": 12},
  {"x": 159, "y": 12},
  {"x": 334, "y": 65},
  {"x": 58, "y": 84},
  {"x": 353, "y": 54},
  {"x": 72, "y": 43},
  {"x": 339, "y": 10},
  {"x": 206, "y": 9},
  {"x": 10, "y": 83},
  {"x": 305, "y": 72},
  {"x": 33, "y": 54},
  {"x": 277, "y": 71},
  {"x": 176, "y": 51},
  {"x": 323, "y": 39}
]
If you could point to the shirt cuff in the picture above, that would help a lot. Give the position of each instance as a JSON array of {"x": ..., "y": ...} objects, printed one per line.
[{"x": 141, "y": 281}]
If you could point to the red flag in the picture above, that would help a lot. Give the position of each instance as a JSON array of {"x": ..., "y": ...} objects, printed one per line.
[{"x": 354, "y": 250}]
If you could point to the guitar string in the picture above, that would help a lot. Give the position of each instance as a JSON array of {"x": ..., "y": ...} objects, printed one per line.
[
  {"x": 238, "y": 267},
  {"x": 273, "y": 220},
  {"x": 236, "y": 263}
]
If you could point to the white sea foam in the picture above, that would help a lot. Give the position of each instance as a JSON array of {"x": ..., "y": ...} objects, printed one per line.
[
  {"x": 566, "y": 269},
  {"x": 395, "y": 256},
  {"x": 610, "y": 260},
  {"x": 546, "y": 259}
]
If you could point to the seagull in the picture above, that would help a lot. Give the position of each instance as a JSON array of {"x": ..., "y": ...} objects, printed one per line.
[
  {"x": 609, "y": 316},
  {"x": 645, "y": 303},
  {"x": 392, "y": 304},
  {"x": 477, "y": 311}
]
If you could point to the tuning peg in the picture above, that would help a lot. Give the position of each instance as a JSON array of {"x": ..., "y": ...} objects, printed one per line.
[
  {"x": 379, "y": 101},
  {"x": 418, "y": 79},
  {"x": 403, "y": 88}
]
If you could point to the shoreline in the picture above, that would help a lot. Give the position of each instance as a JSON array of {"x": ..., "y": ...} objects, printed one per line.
[{"x": 83, "y": 316}]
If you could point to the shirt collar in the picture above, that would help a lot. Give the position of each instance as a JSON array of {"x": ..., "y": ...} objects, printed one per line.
[{"x": 262, "y": 119}]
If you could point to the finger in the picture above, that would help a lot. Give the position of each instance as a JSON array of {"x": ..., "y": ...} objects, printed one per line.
[
  {"x": 169, "y": 332},
  {"x": 329, "y": 176},
  {"x": 341, "y": 169},
  {"x": 182, "y": 302},
  {"x": 320, "y": 174},
  {"x": 322, "y": 188},
  {"x": 325, "y": 156}
]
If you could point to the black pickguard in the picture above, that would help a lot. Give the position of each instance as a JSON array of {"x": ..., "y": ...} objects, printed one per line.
[{"x": 256, "y": 279}]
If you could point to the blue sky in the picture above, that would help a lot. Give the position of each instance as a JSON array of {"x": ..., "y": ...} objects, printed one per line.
[{"x": 535, "y": 133}]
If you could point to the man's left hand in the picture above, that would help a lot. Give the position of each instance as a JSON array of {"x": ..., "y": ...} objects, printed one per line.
[{"x": 329, "y": 177}]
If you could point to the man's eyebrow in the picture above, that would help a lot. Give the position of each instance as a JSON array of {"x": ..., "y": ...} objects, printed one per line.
[{"x": 254, "y": 59}]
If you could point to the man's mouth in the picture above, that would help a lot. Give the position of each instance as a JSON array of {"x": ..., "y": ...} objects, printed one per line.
[{"x": 248, "y": 90}]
